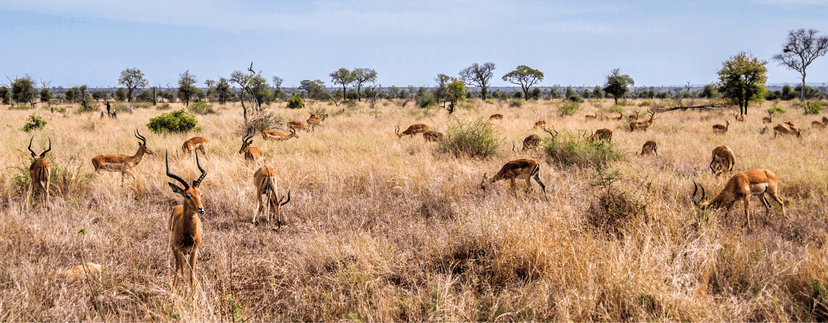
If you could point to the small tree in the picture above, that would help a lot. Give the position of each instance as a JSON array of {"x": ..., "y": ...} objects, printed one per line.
[
  {"x": 45, "y": 95},
  {"x": 5, "y": 94},
  {"x": 186, "y": 89},
  {"x": 98, "y": 95},
  {"x": 617, "y": 84},
  {"x": 277, "y": 82},
  {"x": 742, "y": 80},
  {"x": 454, "y": 92},
  {"x": 23, "y": 90},
  {"x": 223, "y": 90},
  {"x": 363, "y": 76},
  {"x": 597, "y": 92},
  {"x": 478, "y": 75},
  {"x": 132, "y": 78},
  {"x": 344, "y": 77},
  {"x": 524, "y": 76},
  {"x": 120, "y": 94},
  {"x": 709, "y": 91},
  {"x": 802, "y": 48},
  {"x": 315, "y": 89}
]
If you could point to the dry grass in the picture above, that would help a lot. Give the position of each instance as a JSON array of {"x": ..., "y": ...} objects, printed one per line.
[{"x": 387, "y": 229}]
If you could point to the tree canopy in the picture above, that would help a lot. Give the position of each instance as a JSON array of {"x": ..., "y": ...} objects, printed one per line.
[
  {"x": 186, "y": 89},
  {"x": 802, "y": 48},
  {"x": 617, "y": 84},
  {"x": 478, "y": 75},
  {"x": 344, "y": 77},
  {"x": 132, "y": 78},
  {"x": 362, "y": 76},
  {"x": 742, "y": 79},
  {"x": 524, "y": 76}
]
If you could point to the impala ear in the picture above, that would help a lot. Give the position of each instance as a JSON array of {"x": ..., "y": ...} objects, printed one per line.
[{"x": 176, "y": 189}]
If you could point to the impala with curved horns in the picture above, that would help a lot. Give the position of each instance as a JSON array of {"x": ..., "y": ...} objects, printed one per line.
[
  {"x": 185, "y": 225},
  {"x": 723, "y": 160},
  {"x": 278, "y": 135},
  {"x": 298, "y": 125},
  {"x": 650, "y": 148},
  {"x": 741, "y": 186},
  {"x": 786, "y": 128},
  {"x": 122, "y": 163},
  {"x": 194, "y": 143},
  {"x": 540, "y": 123},
  {"x": 251, "y": 154},
  {"x": 530, "y": 142},
  {"x": 517, "y": 169},
  {"x": 265, "y": 181},
  {"x": 412, "y": 130},
  {"x": 435, "y": 136},
  {"x": 314, "y": 121},
  {"x": 602, "y": 135},
  {"x": 39, "y": 172},
  {"x": 643, "y": 124},
  {"x": 721, "y": 129}
]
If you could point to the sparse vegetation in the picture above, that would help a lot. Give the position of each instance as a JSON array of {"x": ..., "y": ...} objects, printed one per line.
[
  {"x": 572, "y": 150},
  {"x": 176, "y": 121},
  {"x": 34, "y": 123},
  {"x": 470, "y": 139},
  {"x": 295, "y": 102}
]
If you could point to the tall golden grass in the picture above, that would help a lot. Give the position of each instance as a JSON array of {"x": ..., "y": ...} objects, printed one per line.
[{"x": 387, "y": 229}]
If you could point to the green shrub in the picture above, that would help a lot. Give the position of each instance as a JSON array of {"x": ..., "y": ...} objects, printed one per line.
[
  {"x": 473, "y": 139},
  {"x": 263, "y": 121},
  {"x": 320, "y": 112},
  {"x": 645, "y": 104},
  {"x": 176, "y": 121},
  {"x": 34, "y": 123},
  {"x": 568, "y": 108},
  {"x": 776, "y": 110},
  {"x": 202, "y": 108},
  {"x": 120, "y": 107},
  {"x": 426, "y": 100},
  {"x": 576, "y": 98},
  {"x": 812, "y": 107},
  {"x": 163, "y": 106},
  {"x": 296, "y": 102},
  {"x": 20, "y": 106},
  {"x": 143, "y": 105},
  {"x": 571, "y": 150},
  {"x": 515, "y": 104}
]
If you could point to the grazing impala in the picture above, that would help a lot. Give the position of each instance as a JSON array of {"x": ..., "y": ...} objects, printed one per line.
[
  {"x": 541, "y": 123},
  {"x": 314, "y": 121},
  {"x": 122, "y": 163},
  {"x": 412, "y": 130},
  {"x": 265, "y": 181},
  {"x": 251, "y": 154},
  {"x": 39, "y": 172},
  {"x": 739, "y": 117},
  {"x": 432, "y": 135},
  {"x": 768, "y": 119},
  {"x": 530, "y": 142},
  {"x": 194, "y": 143},
  {"x": 278, "y": 135},
  {"x": 721, "y": 129},
  {"x": 602, "y": 135},
  {"x": 496, "y": 116},
  {"x": 298, "y": 125},
  {"x": 620, "y": 117},
  {"x": 642, "y": 125},
  {"x": 517, "y": 169},
  {"x": 723, "y": 160},
  {"x": 634, "y": 116},
  {"x": 820, "y": 125},
  {"x": 742, "y": 186},
  {"x": 184, "y": 224},
  {"x": 786, "y": 128},
  {"x": 650, "y": 148},
  {"x": 590, "y": 116}
]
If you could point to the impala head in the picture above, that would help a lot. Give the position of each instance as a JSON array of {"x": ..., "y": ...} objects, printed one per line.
[
  {"x": 247, "y": 140},
  {"x": 43, "y": 154},
  {"x": 293, "y": 132},
  {"x": 143, "y": 143},
  {"x": 191, "y": 194},
  {"x": 397, "y": 131},
  {"x": 483, "y": 183},
  {"x": 698, "y": 202}
]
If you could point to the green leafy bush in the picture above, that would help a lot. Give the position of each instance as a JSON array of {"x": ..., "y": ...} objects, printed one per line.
[
  {"x": 515, "y": 104},
  {"x": 143, "y": 105},
  {"x": 571, "y": 150},
  {"x": 426, "y": 100},
  {"x": 163, "y": 106},
  {"x": 473, "y": 139},
  {"x": 812, "y": 107},
  {"x": 120, "y": 107},
  {"x": 296, "y": 102},
  {"x": 644, "y": 104},
  {"x": 568, "y": 108},
  {"x": 202, "y": 108},
  {"x": 176, "y": 121},
  {"x": 776, "y": 110},
  {"x": 576, "y": 98},
  {"x": 320, "y": 112},
  {"x": 34, "y": 123}
]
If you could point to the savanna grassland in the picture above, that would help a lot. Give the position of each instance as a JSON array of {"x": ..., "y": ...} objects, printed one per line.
[{"x": 387, "y": 229}]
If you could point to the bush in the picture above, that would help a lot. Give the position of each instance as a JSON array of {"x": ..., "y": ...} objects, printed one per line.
[
  {"x": 426, "y": 100},
  {"x": 295, "y": 102},
  {"x": 812, "y": 107},
  {"x": 570, "y": 150},
  {"x": 34, "y": 123},
  {"x": 568, "y": 108},
  {"x": 576, "y": 98},
  {"x": 143, "y": 105},
  {"x": 120, "y": 107},
  {"x": 515, "y": 104},
  {"x": 320, "y": 112},
  {"x": 176, "y": 121},
  {"x": 202, "y": 108},
  {"x": 613, "y": 209},
  {"x": 474, "y": 139},
  {"x": 776, "y": 110},
  {"x": 645, "y": 104},
  {"x": 163, "y": 106},
  {"x": 263, "y": 121},
  {"x": 87, "y": 105}
]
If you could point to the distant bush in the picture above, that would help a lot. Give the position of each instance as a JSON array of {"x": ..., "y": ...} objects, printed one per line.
[
  {"x": 163, "y": 106},
  {"x": 812, "y": 107},
  {"x": 776, "y": 110},
  {"x": 295, "y": 102},
  {"x": 264, "y": 121},
  {"x": 645, "y": 104},
  {"x": 34, "y": 123},
  {"x": 176, "y": 121},
  {"x": 143, "y": 105},
  {"x": 473, "y": 139},
  {"x": 426, "y": 100},
  {"x": 568, "y": 108},
  {"x": 21, "y": 106},
  {"x": 515, "y": 104},
  {"x": 571, "y": 150},
  {"x": 320, "y": 112},
  {"x": 202, "y": 108},
  {"x": 120, "y": 107},
  {"x": 575, "y": 98}
]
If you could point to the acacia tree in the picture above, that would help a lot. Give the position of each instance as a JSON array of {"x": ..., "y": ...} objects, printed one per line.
[
  {"x": 455, "y": 91},
  {"x": 186, "y": 89},
  {"x": 342, "y": 76},
  {"x": 22, "y": 90},
  {"x": 524, "y": 76},
  {"x": 742, "y": 80},
  {"x": 478, "y": 75},
  {"x": 362, "y": 76},
  {"x": 617, "y": 84},
  {"x": 223, "y": 90},
  {"x": 132, "y": 78},
  {"x": 802, "y": 48},
  {"x": 277, "y": 82}
]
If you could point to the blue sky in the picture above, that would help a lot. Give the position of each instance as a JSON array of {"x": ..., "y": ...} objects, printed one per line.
[{"x": 406, "y": 42}]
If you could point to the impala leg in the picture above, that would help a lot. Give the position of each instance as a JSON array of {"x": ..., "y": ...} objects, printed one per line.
[
  {"x": 179, "y": 264},
  {"x": 513, "y": 186},
  {"x": 192, "y": 270},
  {"x": 543, "y": 187},
  {"x": 747, "y": 209},
  {"x": 258, "y": 207},
  {"x": 47, "y": 189},
  {"x": 29, "y": 192}
]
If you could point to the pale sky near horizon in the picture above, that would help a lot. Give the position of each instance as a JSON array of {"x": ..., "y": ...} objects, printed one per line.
[{"x": 407, "y": 42}]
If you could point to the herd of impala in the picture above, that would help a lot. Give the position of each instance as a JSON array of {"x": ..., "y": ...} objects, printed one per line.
[{"x": 185, "y": 228}]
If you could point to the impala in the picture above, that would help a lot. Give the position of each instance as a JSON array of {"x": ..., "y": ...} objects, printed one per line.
[
  {"x": 590, "y": 117},
  {"x": 650, "y": 147},
  {"x": 721, "y": 129},
  {"x": 634, "y": 116},
  {"x": 517, "y": 169},
  {"x": 39, "y": 172},
  {"x": 739, "y": 117},
  {"x": 723, "y": 160},
  {"x": 768, "y": 119},
  {"x": 184, "y": 224},
  {"x": 432, "y": 135},
  {"x": 620, "y": 117},
  {"x": 786, "y": 129},
  {"x": 742, "y": 186},
  {"x": 267, "y": 134},
  {"x": 496, "y": 116},
  {"x": 194, "y": 143},
  {"x": 530, "y": 142},
  {"x": 412, "y": 130},
  {"x": 265, "y": 181},
  {"x": 251, "y": 154},
  {"x": 122, "y": 163},
  {"x": 298, "y": 125},
  {"x": 314, "y": 121},
  {"x": 820, "y": 125},
  {"x": 541, "y": 123},
  {"x": 602, "y": 135},
  {"x": 642, "y": 125}
]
